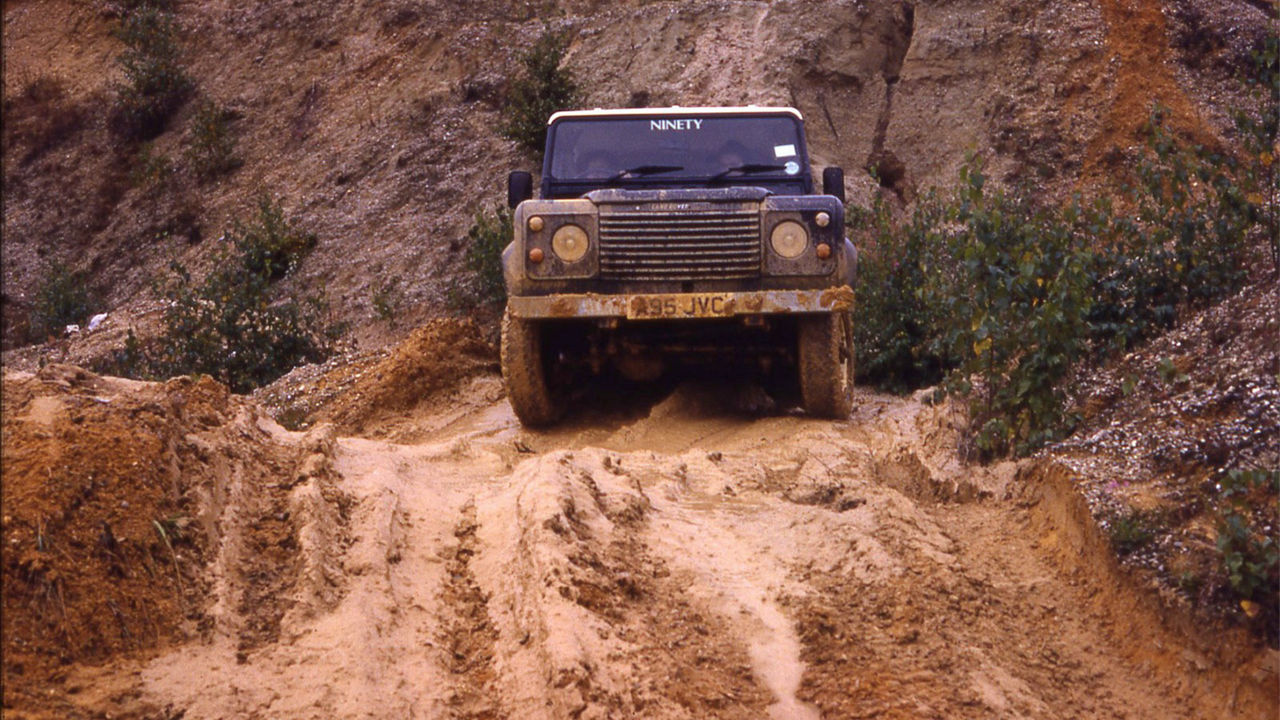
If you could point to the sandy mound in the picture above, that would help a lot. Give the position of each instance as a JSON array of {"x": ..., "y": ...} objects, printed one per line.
[
  {"x": 361, "y": 394},
  {"x": 140, "y": 514}
]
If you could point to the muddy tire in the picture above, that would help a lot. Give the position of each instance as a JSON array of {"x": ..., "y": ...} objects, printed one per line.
[
  {"x": 524, "y": 372},
  {"x": 826, "y": 365}
]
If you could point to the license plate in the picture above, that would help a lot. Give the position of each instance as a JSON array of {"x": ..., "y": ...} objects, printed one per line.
[{"x": 686, "y": 305}]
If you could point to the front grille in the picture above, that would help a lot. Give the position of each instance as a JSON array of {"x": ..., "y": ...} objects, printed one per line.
[{"x": 714, "y": 244}]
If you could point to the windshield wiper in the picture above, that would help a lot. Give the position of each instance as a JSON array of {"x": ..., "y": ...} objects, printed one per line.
[
  {"x": 745, "y": 170},
  {"x": 644, "y": 170}
]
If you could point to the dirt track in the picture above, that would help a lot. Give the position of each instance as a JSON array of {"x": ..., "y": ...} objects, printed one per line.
[{"x": 682, "y": 560}]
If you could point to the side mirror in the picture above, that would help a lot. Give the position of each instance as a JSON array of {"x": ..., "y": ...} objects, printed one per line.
[
  {"x": 520, "y": 188},
  {"x": 833, "y": 182}
]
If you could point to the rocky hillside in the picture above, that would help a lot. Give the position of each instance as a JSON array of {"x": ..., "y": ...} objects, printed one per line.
[{"x": 376, "y": 123}]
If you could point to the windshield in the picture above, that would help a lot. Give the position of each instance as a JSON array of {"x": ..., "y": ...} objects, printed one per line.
[{"x": 619, "y": 151}]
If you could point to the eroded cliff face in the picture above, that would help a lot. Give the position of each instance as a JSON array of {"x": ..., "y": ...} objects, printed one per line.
[{"x": 377, "y": 124}]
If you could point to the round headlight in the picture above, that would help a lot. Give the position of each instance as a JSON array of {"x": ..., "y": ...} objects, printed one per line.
[
  {"x": 569, "y": 243},
  {"x": 789, "y": 239}
]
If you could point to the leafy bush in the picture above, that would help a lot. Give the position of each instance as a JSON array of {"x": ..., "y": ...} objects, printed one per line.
[
  {"x": 61, "y": 299},
  {"x": 488, "y": 236},
  {"x": 1247, "y": 523},
  {"x": 1183, "y": 243},
  {"x": 986, "y": 288},
  {"x": 125, "y": 7},
  {"x": 543, "y": 89},
  {"x": 128, "y": 361},
  {"x": 155, "y": 84},
  {"x": 1012, "y": 302},
  {"x": 386, "y": 297},
  {"x": 1257, "y": 131},
  {"x": 1002, "y": 294},
  {"x": 228, "y": 325},
  {"x": 211, "y": 148},
  {"x": 1131, "y": 531},
  {"x": 269, "y": 245},
  {"x": 892, "y": 336},
  {"x": 150, "y": 169}
]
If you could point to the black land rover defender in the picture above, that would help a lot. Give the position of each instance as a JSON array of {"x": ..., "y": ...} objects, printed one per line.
[{"x": 677, "y": 237}]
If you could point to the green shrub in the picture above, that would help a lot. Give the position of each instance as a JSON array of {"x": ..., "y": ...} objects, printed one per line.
[
  {"x": 1257, "y": 131},
  {"x": 1183, "y": 243},
  {"x": 151, "y": 170},
  {"x": 128, "y": 361},
  {"x": 61, "y": 299},
  {"x": 228, "y": 325},
  {"x": 543, "y": 88},
  {"x": 486, "y": 239},
  {"x": 128, "y": 6},
  {"x": 893, "y": 332},
  {"x": 1131, "y": 531},
  {"x": 386, "y": 297},
  {"x": 1003, "y": 294},
  {"x": 269, "y": 245},
  {"x": 1010, "y": 297},
  {"x": 211, "y": 146},
  {"x": 155, "y": 84},
  {"x": 986, "y": 288},
  {"x": 1247, "y": 519}
]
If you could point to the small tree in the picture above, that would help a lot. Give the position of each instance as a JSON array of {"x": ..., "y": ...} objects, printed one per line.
[
  {"x": 486, "y": 239},
  {"x": 211, "y": 148},
  {"x": 543, "y": 89},
  {"x": 61, "y": 299},
  {"x": 155, "y": 85},
  {"x": 229, "y": 325}
]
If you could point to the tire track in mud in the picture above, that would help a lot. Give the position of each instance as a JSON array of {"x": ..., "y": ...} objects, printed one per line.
[
  {"x": 280, "y": 524},
  {"x": 591, "y": 621},
  {"x": 469, "y": 635},
  {"x": 691, "y": 564},
  {"x": 367, "y": 643}
]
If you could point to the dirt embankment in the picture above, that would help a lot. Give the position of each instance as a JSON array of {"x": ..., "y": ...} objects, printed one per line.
[
  {"x": 376, "y": 394},
  {"x": 676, "y": 561},
  {"x": 1161, "y": 424},
  {"x": 138, "y": 516}
]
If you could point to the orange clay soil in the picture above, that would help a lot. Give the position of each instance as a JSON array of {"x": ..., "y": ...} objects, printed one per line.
[
  {"x": 1138, "y": 50},
  {"x": 671, "y": 560},
  {"x": 113, "y": 493}
]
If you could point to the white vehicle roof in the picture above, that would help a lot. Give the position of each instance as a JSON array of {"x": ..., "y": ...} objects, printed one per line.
[{"x": 676, "y": 110}]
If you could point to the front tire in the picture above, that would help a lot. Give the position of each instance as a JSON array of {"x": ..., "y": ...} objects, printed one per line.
[
  {"x": 826, "y": 364},
  {"x": 524, "y": 372}
]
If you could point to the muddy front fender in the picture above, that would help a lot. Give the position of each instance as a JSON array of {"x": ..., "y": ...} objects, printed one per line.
[
  {"x": 512, "y": 268},
  {"x": 847, "y": 267}
]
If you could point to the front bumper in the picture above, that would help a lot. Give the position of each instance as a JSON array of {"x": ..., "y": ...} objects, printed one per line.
[{"x": 681, "y": 306}]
